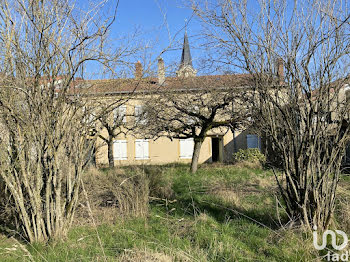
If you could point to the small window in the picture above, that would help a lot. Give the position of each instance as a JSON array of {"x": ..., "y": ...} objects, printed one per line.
[
  {"x": 190, "y": 119},
  {"x": 120, "y": 114},
  {"x": 139, "y": 115},
  {"x": 253, "y": 141},
  {"x": 88, "y": 115},
  {"x": 186, "y": 148},
  {"x": 120, "y": 150},
  {"x": 141, "y": 149}
]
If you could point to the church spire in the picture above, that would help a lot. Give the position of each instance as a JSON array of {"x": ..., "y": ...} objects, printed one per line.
[
  {"x": 186, "y": 58},
  {"x": 186, "y": 67}
]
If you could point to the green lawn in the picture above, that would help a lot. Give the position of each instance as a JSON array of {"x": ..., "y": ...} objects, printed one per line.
[{"x": 222, "y": 213}]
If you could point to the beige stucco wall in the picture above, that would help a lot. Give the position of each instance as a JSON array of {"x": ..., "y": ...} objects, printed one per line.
[{"x": 163, "y": 150}]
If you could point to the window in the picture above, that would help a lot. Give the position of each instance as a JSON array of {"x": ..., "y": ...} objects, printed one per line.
[
  {"x": 58, "y": 84},
  {"x": 190, "y": 119},
  {"x": 88, "y": 115},
  {"x": 186, "y": 148},
  {"x": 120, "y": 150},
  {"x": 119, "y": 114},
  {"x": 141, "y": 149},
  {"x": 139, "y": 115},
  {"x": 253, "y": 141}
]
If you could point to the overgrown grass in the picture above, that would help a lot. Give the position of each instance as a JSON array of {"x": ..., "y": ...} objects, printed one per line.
[{"x": 222, "y": 213}]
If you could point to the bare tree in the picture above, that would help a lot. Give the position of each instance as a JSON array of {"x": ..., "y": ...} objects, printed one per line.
[
  {"x": 45, "y": 46},
  {"x": 301, "y": 103},
  {"x": 112, "y": 118},
  {"x": 109, "y": 114},
  {"x": 191, "y": 107}
]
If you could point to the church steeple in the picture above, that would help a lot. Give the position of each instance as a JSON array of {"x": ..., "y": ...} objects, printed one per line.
[
  {"x": 186, "y": 58},
  {"x": 186, "y": 68}
]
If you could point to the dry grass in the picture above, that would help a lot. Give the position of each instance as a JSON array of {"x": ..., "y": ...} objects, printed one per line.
[
  {"x": 144, "y": 256},
  {"x": 113, "y": 194},
  {"x": 201, "y": 224},
  {"x": 343, "y": 207},
  {"x": 297, "y": 237},
  {"x": 160, "y": 184},
  {"x": 235, "y": 195},
  {"x": 228, "y": 196},
  {"x": 248, "y": 164}
]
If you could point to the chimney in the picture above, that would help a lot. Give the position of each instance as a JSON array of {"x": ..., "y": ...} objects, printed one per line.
[
  {"x": 280, "y": 70},
  {"x": 138, "y": 70},
  {"x": 161, "y": 71}
]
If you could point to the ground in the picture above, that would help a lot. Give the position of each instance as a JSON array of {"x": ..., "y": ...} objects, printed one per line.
[{"x": 222, "y": 213}]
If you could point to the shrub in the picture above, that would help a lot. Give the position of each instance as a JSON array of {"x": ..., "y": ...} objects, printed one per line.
[
  {"x": 252, "y": 155},
  {"x": 113, "y": 193},
  {"x": 8, "y": 216},
  {"x": 160, "y": 184}
]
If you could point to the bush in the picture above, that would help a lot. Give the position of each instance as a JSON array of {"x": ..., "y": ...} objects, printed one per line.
[
  {"x": 8, "y": 216},
  {"x": 252, "y": 155},
  {"x": 160, "y": 184},
  {"x": 114, "y": 193}
]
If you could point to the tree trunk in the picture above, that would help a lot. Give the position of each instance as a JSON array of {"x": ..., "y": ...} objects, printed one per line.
[
  {"x": 195, "y": 157},
  {"x": 110, "y": 153}
]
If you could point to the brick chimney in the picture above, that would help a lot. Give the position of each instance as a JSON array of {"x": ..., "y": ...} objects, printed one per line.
[
  {"x": 280, "y": 70},
  {"x": 161, "y": 71},
  {"x": 138, "y": 70}
]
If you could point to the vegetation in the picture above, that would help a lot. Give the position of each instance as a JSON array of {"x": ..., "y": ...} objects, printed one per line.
[
  {"x": 45, "y": 143},
  {"x": 212, "y": 107},
  {"x": 249, "y": 155},
  {"x": 223, "y": 213},
  {"x": 299, "y": 83}
]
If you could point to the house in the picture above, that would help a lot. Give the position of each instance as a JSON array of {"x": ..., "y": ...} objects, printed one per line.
[{"x": 132, "y": 148}]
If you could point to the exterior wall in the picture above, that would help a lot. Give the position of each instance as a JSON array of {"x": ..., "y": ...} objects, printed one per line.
[{"x": 163, "y": 150}]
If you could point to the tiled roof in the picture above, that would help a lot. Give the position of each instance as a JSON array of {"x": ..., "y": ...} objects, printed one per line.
[{"x": 117, "y": 86}]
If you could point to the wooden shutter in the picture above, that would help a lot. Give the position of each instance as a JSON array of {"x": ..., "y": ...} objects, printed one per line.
[
  {"x": 186, "y": 148},
  {"x": 120, "y": 150},
  {"x": 119, "y": 113},
  {"x": 138, "y": 112},
  {"x": 141, "y": 149},
  {"x": 122, "y": 113},
  {"x": 139, "y": 115}
]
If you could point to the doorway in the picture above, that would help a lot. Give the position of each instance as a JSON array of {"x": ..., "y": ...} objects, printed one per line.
[{"x": 216, "y": 149}]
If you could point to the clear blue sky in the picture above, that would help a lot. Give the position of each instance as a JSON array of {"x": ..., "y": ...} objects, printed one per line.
[
  {"x": 155, "y": 19},
  {"x": 148, "y": 15}
]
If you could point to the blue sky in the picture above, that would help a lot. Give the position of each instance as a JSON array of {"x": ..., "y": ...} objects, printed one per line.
[
  {"x": 161, "y": 23},
  {"x": 148, "y": 15}
]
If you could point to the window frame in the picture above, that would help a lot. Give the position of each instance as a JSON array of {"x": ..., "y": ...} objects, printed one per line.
[{"x": 257, "y": 138}]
